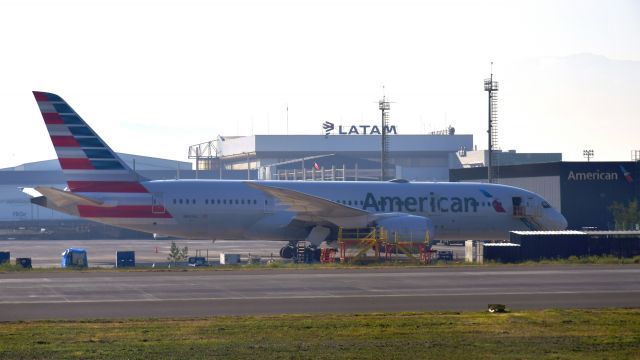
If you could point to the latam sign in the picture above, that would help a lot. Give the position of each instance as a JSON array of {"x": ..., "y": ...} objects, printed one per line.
[{"x": 328, "y": 127}]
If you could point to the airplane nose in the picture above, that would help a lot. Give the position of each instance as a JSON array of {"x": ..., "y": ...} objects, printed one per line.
[{"x": 562, "y": 222}]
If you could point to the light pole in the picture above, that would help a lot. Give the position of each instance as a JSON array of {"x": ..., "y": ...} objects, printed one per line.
[
  {"x": 248, "y": 165},
  {"x": 491, "y": 87},
  {"x": 384, "y": 107},
  {"x": 588, "y": 154}
]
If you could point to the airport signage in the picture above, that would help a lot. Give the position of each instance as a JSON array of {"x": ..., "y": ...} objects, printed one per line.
[
  {"x": 592, "y": 176},
  {"x": 329, "y": 127}
]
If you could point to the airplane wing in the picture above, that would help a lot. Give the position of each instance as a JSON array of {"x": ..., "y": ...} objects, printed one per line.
[{"x": 316, "y": 209}]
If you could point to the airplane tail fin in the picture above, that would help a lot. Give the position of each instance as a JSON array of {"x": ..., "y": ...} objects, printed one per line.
[{"x": 88, "y": 164}]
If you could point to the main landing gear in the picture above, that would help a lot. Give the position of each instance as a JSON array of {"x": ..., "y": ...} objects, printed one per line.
[
  {"x": 300, "y": 252},
  {"x": 307, "y": 250},
  {"x": 288, "y": 251}
]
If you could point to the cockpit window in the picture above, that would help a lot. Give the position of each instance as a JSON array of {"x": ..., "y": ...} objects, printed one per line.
[{"x": 545, "y": 205}]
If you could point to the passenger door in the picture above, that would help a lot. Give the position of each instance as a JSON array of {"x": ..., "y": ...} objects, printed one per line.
[{"x": 269, "y": 204}]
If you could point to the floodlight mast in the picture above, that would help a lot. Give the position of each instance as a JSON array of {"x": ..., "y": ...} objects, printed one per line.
[
  {"x": 588, "y": 153},
  {"x": 492, "y": 88},
  {"x": 384, "y": 107}
]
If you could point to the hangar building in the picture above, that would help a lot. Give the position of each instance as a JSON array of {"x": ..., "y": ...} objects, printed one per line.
[
  {"x": 583, "y": 191},
  {"x": 19, "y": 217}
]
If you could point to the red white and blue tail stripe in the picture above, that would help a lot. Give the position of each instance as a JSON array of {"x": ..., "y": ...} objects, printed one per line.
[
  {"x": 93, "y": 171},
  {"x": 89, "y": 165}
]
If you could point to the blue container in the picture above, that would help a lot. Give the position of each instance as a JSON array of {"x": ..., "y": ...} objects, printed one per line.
[
  {"x": 74, "y": 257},
  {"x": 197, "y": 261},
  {"x": 5, "y": 257},
  {"x": 502, "y": 253},
  {"x": 445, "y": 255},
  {"x": 125, "y": 259},
  {"x": 25, "y": 263},
  {"x": 563, "y": 244}
]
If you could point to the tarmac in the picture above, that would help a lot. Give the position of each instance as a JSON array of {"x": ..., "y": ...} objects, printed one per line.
[
  {"x": 102, "y": 253},
  {"x": 106, "y": 294}
]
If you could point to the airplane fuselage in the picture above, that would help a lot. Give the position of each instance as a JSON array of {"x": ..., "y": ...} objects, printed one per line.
[
  {"x": 103, "y": 188},
  {"x": 218, "y": 209}
]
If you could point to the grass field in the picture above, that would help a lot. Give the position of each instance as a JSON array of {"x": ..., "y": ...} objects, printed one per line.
[{"x": 549, "y": 334}]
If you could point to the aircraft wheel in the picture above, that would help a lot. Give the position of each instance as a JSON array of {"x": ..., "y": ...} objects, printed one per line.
[{"x": 287, "y": 252}]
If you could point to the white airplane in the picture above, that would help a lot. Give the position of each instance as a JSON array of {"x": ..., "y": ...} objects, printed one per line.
[{"x": 102, "y": 188}]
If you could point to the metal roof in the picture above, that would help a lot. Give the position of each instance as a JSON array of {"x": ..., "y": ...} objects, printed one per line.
[
  {"x": 613, "y": 232},
  {"x": 142, "y": 163},
  {"x": 562, "y": 232},
  {"x": 320, "y": 144},
  {"x": 576, "y": 232}
]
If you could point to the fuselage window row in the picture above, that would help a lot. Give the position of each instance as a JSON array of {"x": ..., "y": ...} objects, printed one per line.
[
  {"x": 255, "y": 202},
  {"x": 217, "y": 201}
]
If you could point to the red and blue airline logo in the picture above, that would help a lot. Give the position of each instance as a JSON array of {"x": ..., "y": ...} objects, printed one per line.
[
  {"x": 496, "y": 204},
  {"x": 627, "y": 174}
]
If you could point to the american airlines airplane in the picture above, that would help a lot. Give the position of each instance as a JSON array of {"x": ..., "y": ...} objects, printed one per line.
[{"x": 102, "y": 188}]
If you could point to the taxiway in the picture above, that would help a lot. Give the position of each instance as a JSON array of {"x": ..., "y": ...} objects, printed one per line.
[{"x": 106, "y": 294}]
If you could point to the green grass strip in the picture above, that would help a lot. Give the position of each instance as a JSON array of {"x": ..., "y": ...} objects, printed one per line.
[{"x": 548, "y": 334}]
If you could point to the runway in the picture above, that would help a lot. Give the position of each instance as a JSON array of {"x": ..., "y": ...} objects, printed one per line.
[{"x": 101, "y": 294}]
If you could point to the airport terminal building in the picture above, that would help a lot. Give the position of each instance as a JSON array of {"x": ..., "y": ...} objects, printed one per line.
[{"x": 414, "y": 157}]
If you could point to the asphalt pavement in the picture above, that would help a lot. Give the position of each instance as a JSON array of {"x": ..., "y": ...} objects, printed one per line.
[{"x": 106, "y": 294}]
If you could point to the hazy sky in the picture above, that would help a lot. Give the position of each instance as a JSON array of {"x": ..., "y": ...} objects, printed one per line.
[{"x": 153, "y": 77}]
